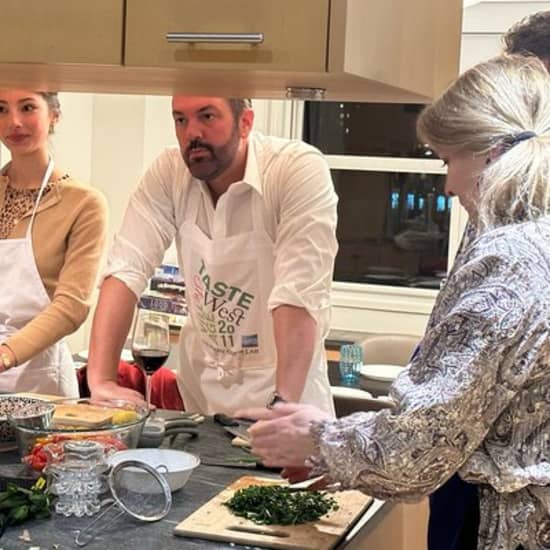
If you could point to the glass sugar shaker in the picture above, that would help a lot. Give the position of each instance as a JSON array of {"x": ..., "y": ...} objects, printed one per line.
[{"x": 77, "y": 477}]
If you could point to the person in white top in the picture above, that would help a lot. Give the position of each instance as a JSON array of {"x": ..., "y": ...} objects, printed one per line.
[{"x": 254, "y": 222}]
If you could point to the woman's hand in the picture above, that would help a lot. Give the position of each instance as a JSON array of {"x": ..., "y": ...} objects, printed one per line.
[
  {"x": 6, "y": 351},
  {"x": 111, "y": 390},
  {"x": 281, "y": 437},
  {"x": 299, "y": 474}
]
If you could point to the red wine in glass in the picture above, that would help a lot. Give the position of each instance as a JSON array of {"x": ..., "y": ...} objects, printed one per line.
[
  {"x": 150, "y": 360},
  {"x": 150, "y": 344}
]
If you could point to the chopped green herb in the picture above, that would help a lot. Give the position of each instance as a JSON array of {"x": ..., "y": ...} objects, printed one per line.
[{"x": 280, "y": 505}]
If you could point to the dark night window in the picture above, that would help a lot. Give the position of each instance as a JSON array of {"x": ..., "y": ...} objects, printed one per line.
[
  {"x": 393, "y": 215},
  {"x": 367, "y": 129}
]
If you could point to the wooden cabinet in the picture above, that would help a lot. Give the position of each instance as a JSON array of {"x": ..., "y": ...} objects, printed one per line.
[
  {"x": 356, "y": 50},
  {"x": 61, "y": 31},
  {"x": 373, "y": 50},
  {"x": 407, "y": 45},
  {"x": 291, "y": 39}
]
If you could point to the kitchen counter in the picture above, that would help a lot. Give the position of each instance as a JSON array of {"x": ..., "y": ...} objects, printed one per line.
[{"x": 205, "y": 482}]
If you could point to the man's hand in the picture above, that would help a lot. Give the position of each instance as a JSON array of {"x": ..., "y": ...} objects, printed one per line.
[
  {"x": 281, "y": 437},
  {"x": 111, "y": 390}
]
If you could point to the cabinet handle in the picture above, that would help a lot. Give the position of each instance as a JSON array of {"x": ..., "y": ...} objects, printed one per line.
[{"x": 216, "y": 37}]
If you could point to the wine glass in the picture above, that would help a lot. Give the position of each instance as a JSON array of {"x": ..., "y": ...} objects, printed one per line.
[{"x": 150, "y": 344}]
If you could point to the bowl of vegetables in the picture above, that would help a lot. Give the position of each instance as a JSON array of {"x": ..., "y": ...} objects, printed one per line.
[{"x": 115, "y": 424}]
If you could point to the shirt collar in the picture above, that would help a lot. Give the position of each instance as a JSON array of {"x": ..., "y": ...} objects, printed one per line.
[{"x": 251, "y": 171}]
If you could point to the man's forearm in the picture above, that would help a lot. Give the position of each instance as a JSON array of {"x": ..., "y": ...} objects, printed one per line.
[
  {"x": 112, "y": 320},
  {"x": 295, "y": 333}
]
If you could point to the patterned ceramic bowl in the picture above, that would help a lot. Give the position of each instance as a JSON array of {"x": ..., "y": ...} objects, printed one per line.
[
  {"x": 34, "y": 415},
  {"x": 12, "y": 405}
]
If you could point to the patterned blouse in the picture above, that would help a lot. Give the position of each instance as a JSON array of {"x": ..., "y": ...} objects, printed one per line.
[
  {"x": 474, "y": 399},
  {"x": 17, "y": 203}
]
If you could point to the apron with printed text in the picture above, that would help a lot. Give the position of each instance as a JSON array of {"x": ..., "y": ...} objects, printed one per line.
[
  {"x": 22, "y": 298},
  {"x": 227, "y": 349}
]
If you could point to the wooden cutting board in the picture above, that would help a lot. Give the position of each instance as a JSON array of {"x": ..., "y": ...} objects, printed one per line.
[{"x": 214, "y": 521}]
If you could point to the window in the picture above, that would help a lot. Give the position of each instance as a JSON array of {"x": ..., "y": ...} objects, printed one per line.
[
  {"x": 365, "y": 129},
  {"x": 393, "y": 215},
  {"x": 392, "y": 228}
]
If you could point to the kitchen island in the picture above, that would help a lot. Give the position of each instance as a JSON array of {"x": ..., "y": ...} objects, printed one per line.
[{"x": 381, "y": 526}]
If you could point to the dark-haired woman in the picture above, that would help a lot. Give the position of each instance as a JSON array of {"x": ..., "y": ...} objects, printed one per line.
[{"x": 52, "y": 232}]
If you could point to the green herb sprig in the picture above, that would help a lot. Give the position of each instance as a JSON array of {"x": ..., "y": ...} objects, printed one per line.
[
  {"x": 18, "y": 504},
  {"x": 279, "y": 505}
]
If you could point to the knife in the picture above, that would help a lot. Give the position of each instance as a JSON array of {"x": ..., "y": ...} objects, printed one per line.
[
  {"x": 237, "y": 427},
  {"x": 239, "y": 431}
]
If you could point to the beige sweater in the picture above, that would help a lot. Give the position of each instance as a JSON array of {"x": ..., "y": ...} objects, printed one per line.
[{"x": 68, "y": 237}]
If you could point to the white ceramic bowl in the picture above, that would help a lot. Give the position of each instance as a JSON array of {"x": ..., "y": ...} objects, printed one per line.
[
  {"x": 179, "y": 464},
  {"x": 346, "y": 391},
  {"x": 381, "y": 373}
]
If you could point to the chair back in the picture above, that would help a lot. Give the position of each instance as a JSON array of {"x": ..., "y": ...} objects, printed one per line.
[{"x": 388, "y": 349}]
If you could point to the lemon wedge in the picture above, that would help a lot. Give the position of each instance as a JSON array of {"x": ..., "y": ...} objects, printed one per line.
[{"x": 124, "y": 417}]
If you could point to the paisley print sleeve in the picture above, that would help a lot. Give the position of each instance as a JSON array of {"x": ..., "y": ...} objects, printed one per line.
[{"x": 481, "y": 343}]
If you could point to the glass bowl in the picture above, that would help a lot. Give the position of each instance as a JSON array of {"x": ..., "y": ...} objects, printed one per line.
[{"x": 115, "y": 424}]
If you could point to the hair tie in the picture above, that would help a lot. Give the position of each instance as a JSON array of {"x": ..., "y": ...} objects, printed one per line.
[{"x": 518, "y": 138}]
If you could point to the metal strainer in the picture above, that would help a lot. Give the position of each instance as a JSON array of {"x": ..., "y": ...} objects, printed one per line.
[{"x": 137, "y": 489}]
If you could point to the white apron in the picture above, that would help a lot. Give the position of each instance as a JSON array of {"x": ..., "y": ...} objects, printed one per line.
[
  {"x": 227, "y": 349},
  {"x": 22, "y": 298}
]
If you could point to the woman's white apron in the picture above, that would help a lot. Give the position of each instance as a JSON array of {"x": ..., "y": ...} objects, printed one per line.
[{"x": 22, "y": 298}]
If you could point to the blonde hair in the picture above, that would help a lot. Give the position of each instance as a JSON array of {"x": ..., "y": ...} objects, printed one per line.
[{"x": 483, "y": 112}]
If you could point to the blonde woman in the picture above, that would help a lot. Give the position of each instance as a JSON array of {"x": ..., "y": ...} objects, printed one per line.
[
  {"x": 475, "y": 398},
  {"x": 52, "y": 231}
]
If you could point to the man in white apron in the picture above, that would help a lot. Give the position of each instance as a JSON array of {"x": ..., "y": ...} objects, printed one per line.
[
  {"x": 22, "y": 298},
  {"x": 254, "y": 222}
]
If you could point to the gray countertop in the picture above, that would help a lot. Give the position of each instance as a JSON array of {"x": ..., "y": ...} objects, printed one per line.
[{"x": 58, "y": 533}]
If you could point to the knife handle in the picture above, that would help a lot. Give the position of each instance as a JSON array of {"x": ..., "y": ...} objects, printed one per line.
[{"x": 225, "y": 420}]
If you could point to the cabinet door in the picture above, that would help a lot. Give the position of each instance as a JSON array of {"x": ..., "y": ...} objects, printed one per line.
[
  {"x": 409, "y": 45},
  {"x": 61, "y": 31},
  {"x": 294, "y": 34}
]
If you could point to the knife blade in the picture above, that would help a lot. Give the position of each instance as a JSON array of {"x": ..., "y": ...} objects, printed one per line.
[
  {"x": 235, "y": 426},
  {"x": 239, "y": 431}
]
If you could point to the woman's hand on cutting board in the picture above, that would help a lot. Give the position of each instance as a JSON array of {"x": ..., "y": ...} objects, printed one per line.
[
  {"x": 281, "y": 436},
  {"x": 298, "y": 474}
]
